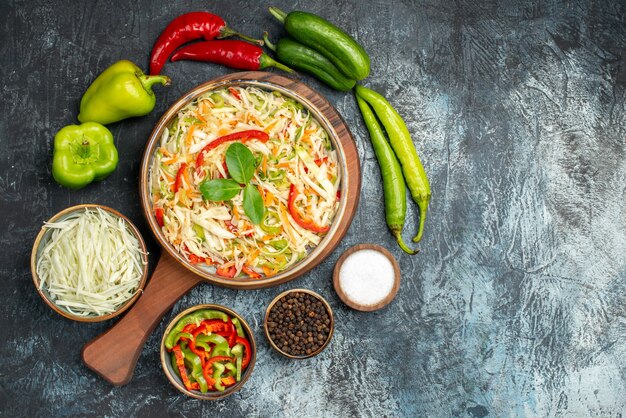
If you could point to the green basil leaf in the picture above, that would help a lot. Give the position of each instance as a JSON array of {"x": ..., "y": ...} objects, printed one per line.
[
  {"x": 240, "y": 162},
  {"x": 253, "y": 204},
  {"x": 219, "y": 189}
]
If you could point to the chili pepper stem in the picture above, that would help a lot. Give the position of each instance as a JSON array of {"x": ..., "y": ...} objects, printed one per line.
[
  {"x": 423, "y": 206},
  {"x": 267, "y": 41},
  {"x": 227, "y": 32},
  {"x": 267, "y": 61},
  {"x": 147, "y": 81},
  {"x": 278, "y": 14},
  {"x": 398, "y": 236}
]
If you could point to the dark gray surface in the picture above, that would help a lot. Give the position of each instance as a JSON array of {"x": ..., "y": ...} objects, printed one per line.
[{"x": 516, "y": 304}]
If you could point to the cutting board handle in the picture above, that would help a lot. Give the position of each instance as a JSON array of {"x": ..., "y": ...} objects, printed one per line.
[{"x": 114, "y": 354}]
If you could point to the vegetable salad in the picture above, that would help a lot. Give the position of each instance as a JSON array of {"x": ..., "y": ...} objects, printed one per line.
[{"x": 296, "y": 174}]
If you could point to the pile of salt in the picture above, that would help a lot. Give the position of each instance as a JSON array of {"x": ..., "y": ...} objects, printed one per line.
[{"x": 367, "y": 277}]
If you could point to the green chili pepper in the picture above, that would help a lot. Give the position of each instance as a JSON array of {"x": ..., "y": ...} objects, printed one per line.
[
  {"x": 400, "y": 140},
  {"x": 195, "y": 364},
  {"x": 394, "y": 187},
  {"x": 193, "y": 318},
  {"x": 301, "y": 57},
  {"x": 82, "y": 154},
  {"x": 238, "y": 327},
  {"x": 333, "y": 43},
  {"x": 119, "y": 92}
]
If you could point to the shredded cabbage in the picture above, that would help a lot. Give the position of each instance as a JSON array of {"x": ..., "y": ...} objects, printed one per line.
[
  {"x": 219, "y": 234},
  {"x": 91, "y": 264}
]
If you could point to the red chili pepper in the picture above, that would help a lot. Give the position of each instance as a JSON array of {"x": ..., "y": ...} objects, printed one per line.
[
  {"x": 226, "y": 272},
  {"x": 244, "y": 136},
  {"x": 253, "y": 274},
  {"x": 179, "y": 176},
  {"x": 194, "y": 259},
  {"x": 180, "y": 363},
  {"x": 338, "y": 194},
  {"x": 247, "y": 356},
  {"x": 231, "y": 53},
  {"x": 319, "y": 161},
  {"x": 304, "y": 223},
  {"x": 158, "y": 214},
  {"x": 186, "y": 28}
]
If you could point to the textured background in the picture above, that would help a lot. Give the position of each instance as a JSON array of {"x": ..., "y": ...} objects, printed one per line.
[{"x": 516, "y": 304}]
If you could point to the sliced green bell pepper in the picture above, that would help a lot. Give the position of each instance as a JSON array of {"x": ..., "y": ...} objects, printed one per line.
[
  {"x": 82, "y": 154},
  {"x": 195, "y": 364},
  {"x": 194, "y": 318},
  {"x": 238, "y": 327},
  {"x": 119, "y": 92},
  {"x": 238, "y": 353}
]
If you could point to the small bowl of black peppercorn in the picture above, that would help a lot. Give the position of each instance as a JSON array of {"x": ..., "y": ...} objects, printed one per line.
[{"x": 299, "y": 323}]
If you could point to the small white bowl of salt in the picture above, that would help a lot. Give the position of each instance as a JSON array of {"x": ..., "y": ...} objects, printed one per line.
[{"x": 366, "y": 277}]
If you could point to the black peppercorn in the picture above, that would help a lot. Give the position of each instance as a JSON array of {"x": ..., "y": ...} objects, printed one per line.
[{"x": 298, "y": 324}]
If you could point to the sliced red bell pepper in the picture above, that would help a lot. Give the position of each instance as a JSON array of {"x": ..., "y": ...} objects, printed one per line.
[
  {"x": 197, "y": 352},
  {"x": 158, "y": 214},
  {"x": 295, "y": 213},
  {"x": 234, "y": 93},
  {"x": 190, "y": 328},
  {"x": 247, "y": 355},
  {"x": 244, "y": 136},
  {"x": 228, "y": 380},
  {"x": 231, "y": 227},
  {"x": 211, "y": 325},
  {"x": 194, "y": 259},
  {"x": 226, "y": 272},
  {"x": 179, "y": 176},
  {"x": 253, "y": 274},
  {"x": 338, "y": 194},
  {"x": 180, "y": 362}
]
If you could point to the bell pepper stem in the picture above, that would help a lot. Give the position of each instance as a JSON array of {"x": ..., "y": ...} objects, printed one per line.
[
  {"x": 278, "y": 14},
  {"x": 147, "y": 81}
]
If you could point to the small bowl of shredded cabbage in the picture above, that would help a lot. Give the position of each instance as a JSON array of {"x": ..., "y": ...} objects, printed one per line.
[{"x": 89, "y": 263}]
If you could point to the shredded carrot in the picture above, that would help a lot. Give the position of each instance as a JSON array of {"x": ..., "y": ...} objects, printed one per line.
[
  {"x": 253, "y": 255},
  {"x": 269, "y": 127},
  {"x": 282, "y": 165},
  {"x": 285, "y": 221},
  {"x": 264, "y": 164},
  {"x": 197, "y": 114},
  {"x": 269, "y": 198},
  {"x": 169, "y": 161},
  {"x": 267, "y": 271},
  {"x": 165, "y": 152},
  {"x": 235, "y": 212},
  {"x": 189, "y": 137},
  {"x": 254, "y": 119},
  {"x": 266, "y": 238},
  {"x": 223, "y": 131}
]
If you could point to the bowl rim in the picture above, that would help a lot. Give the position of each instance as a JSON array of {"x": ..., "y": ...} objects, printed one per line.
[
  {"x": 353, "y": 304},
  {"x": 328, "y": 309},
  {"x": 254, "y": 79},
  {"x": 39, "y": 241},
  {"x": 211, "y": 395}
]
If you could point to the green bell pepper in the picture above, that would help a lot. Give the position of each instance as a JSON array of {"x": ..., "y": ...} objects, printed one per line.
[
  {"x": 82, "y": 154},
  {"x": 218, "y": 370},
  {"x": 238, "y": 327},
  {"x": 119, "y": 92}
]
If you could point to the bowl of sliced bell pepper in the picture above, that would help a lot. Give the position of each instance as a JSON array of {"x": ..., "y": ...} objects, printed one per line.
[{"x": 208, "y": 351}]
